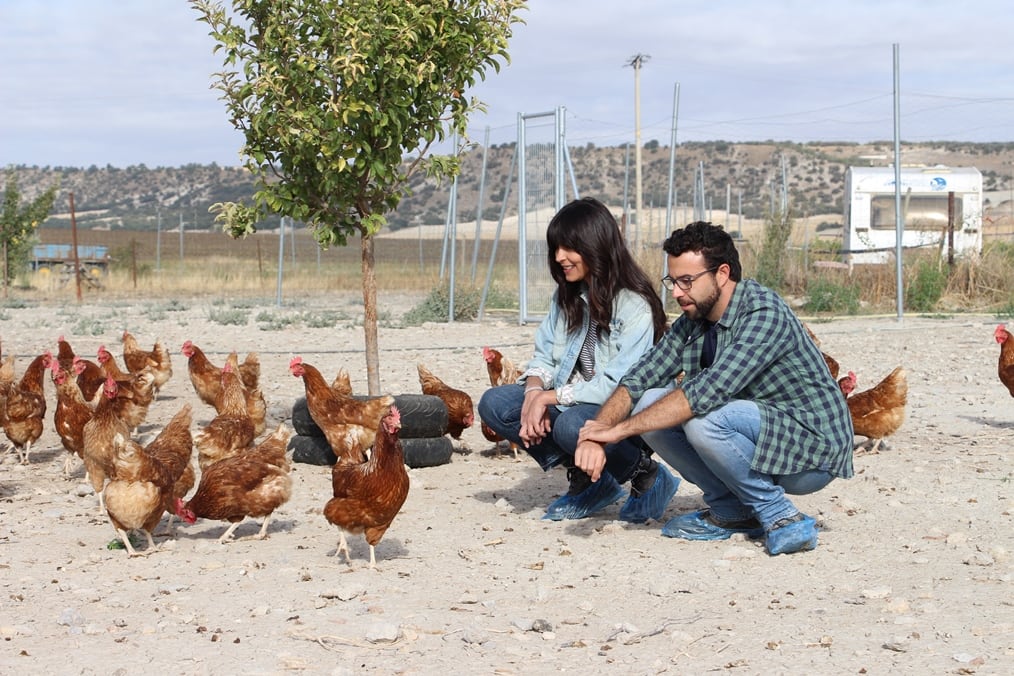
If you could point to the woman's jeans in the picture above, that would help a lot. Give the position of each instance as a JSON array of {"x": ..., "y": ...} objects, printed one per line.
[
  {"x": 500, "y": 409},
  {"x": 714, "y": 452}
]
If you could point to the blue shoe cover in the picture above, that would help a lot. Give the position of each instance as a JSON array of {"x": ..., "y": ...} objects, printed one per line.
[
  {"x": 797, "y": 536},
  {"x": 695, "y": 526},
  {"x": 598, "y": 495},
  {"x": 652, "y": 504}
]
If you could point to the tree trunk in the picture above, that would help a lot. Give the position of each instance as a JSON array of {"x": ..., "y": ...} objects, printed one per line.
[{"x": 370, "y": 317}]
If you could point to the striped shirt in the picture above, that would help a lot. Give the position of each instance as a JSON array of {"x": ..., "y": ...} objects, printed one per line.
[
  {"x": 763, "y": 355},
  {"x": 586, "y": 358}
]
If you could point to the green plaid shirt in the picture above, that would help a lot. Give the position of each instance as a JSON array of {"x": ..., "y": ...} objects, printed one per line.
[{"x": 764, "y": 355}]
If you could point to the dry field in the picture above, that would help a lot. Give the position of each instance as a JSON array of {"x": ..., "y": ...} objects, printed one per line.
[{"x": 913, "y": 575}]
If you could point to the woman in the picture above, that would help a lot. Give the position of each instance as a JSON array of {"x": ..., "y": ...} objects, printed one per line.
[{"x": 604, "y": 315}]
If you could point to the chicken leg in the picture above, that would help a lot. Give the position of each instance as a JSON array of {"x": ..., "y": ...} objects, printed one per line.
[
  {"x": 343, "y": 546},
  {"x": 227, "y": 535}
]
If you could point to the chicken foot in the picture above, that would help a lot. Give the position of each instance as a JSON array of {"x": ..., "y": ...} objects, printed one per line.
[
  {"x": 23, "y": 453},
  {"x": 260, "y": 535},
  {"x": 227, "y": 535},
  {"x": 343, "y": 546},
  {"x": 125, "y": 538}
]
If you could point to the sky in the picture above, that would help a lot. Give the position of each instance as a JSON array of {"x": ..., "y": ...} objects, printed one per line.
[{"x": 128, "y": 82}]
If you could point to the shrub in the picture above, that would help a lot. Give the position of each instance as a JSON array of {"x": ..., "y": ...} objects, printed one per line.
[
  {"x": 825, "y": 295},
  {"x": 434, "y": 307},
  {"x": 929, "y": 280},
  {"x": 323, "y": 320},
  {"x": 236, "y": 317},
  {"x": 501, "y": 298}
]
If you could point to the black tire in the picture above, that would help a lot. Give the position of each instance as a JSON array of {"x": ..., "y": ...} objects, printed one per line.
[
  {"x": 312, "y": 450},
  {"x": 423, "y": 416},
  {"x": 302, "y": 423},
  {"x": 429, "y": 452}
]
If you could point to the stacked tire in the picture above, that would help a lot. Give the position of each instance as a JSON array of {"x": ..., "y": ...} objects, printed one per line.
[{"x": 423, "y": 433}]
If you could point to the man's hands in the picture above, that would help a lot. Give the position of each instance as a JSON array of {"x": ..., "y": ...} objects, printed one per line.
[{"x": 590, "y": 455}]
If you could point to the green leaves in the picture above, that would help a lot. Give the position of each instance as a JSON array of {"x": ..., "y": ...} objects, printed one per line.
[
  {"x": 18, "y": 223},
  {"x": 332, "y": 95}
]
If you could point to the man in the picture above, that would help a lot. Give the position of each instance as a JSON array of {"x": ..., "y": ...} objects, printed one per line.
[{"x": 756, "y": 414}]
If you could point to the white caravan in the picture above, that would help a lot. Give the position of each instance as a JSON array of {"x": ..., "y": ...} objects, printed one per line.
[{"x": 869, "y": 226}]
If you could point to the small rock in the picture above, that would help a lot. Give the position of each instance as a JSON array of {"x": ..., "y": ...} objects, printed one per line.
[
  {"x": 978, "y": 559},
  {"x": 383, "y": 632},
  {"x": 523, "y": 624},
  {"x": 999, "y": 554},
  {"x": 474, "y": 638},
  {"x": 876, "y": 593},
  {"x": 346, "y": 594},
  {"x": 70, "y": 617},
  {"x": 957, "y": 538},
  {"x": 542, "y": 626}
]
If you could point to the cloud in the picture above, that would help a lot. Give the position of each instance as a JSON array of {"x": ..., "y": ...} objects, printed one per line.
[{"x": 128, "y": 81}]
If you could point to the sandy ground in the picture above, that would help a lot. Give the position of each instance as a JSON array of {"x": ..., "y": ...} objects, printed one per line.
[{"x": 913, "y": 573}]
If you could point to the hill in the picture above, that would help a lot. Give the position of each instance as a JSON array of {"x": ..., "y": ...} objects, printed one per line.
[{"x": 748, "y": 174}]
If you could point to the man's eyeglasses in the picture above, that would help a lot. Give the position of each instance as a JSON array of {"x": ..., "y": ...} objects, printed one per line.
[{"x": 686, "y": 281}]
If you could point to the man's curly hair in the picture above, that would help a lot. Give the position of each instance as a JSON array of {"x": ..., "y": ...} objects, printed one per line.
[{"x": 711, "y": 241}]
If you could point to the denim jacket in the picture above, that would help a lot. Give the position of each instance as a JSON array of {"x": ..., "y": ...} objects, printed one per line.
[{"x": 631, "y": 334}]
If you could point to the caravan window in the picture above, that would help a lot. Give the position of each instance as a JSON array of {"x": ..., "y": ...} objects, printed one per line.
[{"x": 921, "y": 212}]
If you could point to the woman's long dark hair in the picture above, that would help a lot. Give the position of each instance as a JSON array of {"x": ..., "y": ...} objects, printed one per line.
[{"x": 587, "y": 227}]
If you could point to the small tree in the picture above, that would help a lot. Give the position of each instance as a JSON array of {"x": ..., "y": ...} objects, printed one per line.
[
  {"x": 332, "y": 95},
  {"x": 17, "y": 225},
  {"x": 771, "y": 261}
]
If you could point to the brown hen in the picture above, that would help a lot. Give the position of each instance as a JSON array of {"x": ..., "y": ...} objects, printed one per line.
[
  {"x": 232, "y": 430},
  {"x": 249, "y": 370},
  {"x": 174, "y": 447},
  {"x": 878, "y": 412},
  {"x": 157, "y": 359},
  {"x": 107, "y": 362},
  {"x": 25, "y": 408},
  {"x": 97, "y": 439},
  {"x": 256, "y": 406},
  {"x": 349, "y": 425},
  {"x": 90, "y": 379},
  {"x": 501, "y": 371},
  {"x": 254, "y": 483},
  {"x": 72, "y": 413},
  {"x": 134, "y": 500},
  {"x": 369, "y": 495},
  {"x": 149, "y": 479},
  {"x": 1005, "y": 364},
  {"x": 460, "y": 414},
  {"x": 205, "y": 376}
]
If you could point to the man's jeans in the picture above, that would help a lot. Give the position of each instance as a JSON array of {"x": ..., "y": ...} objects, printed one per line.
[{"x": 714, "y": 452}]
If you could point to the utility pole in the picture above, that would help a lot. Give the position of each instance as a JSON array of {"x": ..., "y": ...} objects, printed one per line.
[{"x": 635, "y": 62}]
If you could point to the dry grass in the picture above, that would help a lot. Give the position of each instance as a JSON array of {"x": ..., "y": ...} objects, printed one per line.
[{"x": 215, "y": 266}]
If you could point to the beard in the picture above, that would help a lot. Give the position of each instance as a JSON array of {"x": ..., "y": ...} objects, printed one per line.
[{"x": 703, "y": 307}]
